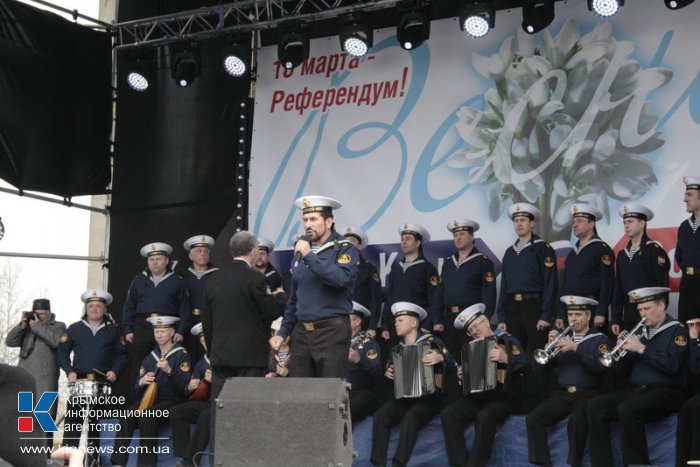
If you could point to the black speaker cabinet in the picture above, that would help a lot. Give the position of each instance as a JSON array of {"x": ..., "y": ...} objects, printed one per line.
[{"x": 301, "y": 422}]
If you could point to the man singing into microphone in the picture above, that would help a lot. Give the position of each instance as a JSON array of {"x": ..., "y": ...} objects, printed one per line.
[{"x": 320, "y": 299}]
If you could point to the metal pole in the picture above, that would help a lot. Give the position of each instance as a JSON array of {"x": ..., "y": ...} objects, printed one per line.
[
  {"x": 74, "y": 13},
  {"x": 53, "y": 200},
  {"x": 101, "y": 259}
]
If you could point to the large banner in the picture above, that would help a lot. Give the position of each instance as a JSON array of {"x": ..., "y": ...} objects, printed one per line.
[{"x": 589, "y": 110}]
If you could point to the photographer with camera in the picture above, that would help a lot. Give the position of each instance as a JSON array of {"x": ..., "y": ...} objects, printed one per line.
[{"x": 38, "y": 335}]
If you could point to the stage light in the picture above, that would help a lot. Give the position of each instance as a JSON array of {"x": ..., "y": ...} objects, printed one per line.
[
  {"x": 139, "y": 68},
  {"x": 184, "y": 63},
  {"x": 477, "y": 19},
  {"x": 137, "y": 80},
  {"x": 413, "y": 29},
  {"x": 676, "y": 4},
  {"x": 292, "y": 46},
  {"x": 605, "y": 8},
  {"x": 356, "y": 37},
  {"x": 234, "y": 60},
  {"x": 537, "y": 15}
]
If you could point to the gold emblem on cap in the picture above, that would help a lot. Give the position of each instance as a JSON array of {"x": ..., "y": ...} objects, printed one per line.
[
  {"x": 576, "y": 209},
  {"x": 625, "y": 210},
  {"x": 572, "y": 300},
  {"x": 405, "y": 226},
  {"x": 348, "y": 229},
  {"x": 159, "y": 321},
  {"x": 306, "y": 202},
  {"x": 153, "y": 247},
  {"x": 455, "y": 223},
  {"x": 204, "y": 239},
  {"x": 685, "y": 181},
  {"x": 94, "y": 293},
  {"x": 517, "y": 207}
]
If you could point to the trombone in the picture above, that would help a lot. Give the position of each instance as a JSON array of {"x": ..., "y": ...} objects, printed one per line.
[
  {"x": 542, "y": 356},
  {"x": 607, "y": 358}
]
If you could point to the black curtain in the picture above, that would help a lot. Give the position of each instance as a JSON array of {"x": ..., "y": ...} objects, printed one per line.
[
  {"x": 55, "y": 103},
  {"x": 176, "y": 162}
]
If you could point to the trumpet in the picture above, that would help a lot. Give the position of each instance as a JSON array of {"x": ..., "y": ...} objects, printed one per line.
[
  {"x": 542, "y": 356},
  {"x": 607, "y": 358}
]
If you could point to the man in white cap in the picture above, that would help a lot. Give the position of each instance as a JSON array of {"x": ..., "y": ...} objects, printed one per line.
[
  {"x": 169, "y": 366},
  {"x": 643, "y": 263},
  {"x": 195, "y": 411},
  {"x": 527, "y": 300},
  {"x": 262, "y": 263},
  {"x": 413, "y": 279},
  {"x": 655, "y": 362},
  {"x": 99, "y": 354},
  {"x": 367, "y": 289},
  {"x": 364, "y": 366},
  {"x": 688, "y": 253},
  {"x": 467, "y": 278},
  {"x": 580, "y": 379},
  {"x": 195, "y": 278},
  {"x": 688, "y": 429},
  {"x": 486, "y": 409},
  {"x": 588, "y": 270},
  {"x": 323, "y": 274},
  {"x": 157, "y": 290},
  {"x": 412, "y": 413}
]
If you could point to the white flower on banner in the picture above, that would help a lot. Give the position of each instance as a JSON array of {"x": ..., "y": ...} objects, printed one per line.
[{"x": 566, "y": 121}]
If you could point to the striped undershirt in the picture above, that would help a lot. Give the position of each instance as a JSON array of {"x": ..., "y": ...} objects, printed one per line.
[
  {"x": 696, "y": 224},
  {"x": 520, "y": 246},
  {"x": 631, "y": 252}
]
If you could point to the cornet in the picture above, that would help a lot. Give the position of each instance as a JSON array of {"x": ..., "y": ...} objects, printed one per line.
[
  {"x": 542, "y": 356},
  {"x": 607, "y": 358}
]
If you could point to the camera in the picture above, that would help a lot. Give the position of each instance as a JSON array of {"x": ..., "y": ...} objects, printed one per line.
[{"x": 28, "y": 315}]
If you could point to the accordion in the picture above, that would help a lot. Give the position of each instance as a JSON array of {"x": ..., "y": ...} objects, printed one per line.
[
  {"x": 479, "y": 374},
  {"x": 412, "y": 377}
]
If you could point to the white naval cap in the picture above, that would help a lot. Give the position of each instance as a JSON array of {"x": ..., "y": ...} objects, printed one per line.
[
  {"x": 156, "y": 248},
  {"x": 637, "y": 211},
  {"x": 197, "y": 329},
  {"x": 647, "y": 294},
  {"x": 459, "y": 225},
  {"x": 266, "y": 243},
  {"x": 468, "y": 315},
  {"x": 408, "y": 308},
  {"x": 575, "y": 302},
  {"x": 691, "y": 183},
  {"x": 314, "y": 203},
  {"x": 524, "y": 209},
  {"x": 198, "y": 240},
  {"x": 161, "y": 321},
  {"x": 359, "y": 310},
  {"x": 414, "y": 229},
  {"x": 358, "y": 233},
  {"x": 96, "y": 295},
  {"x": 585, "y": 210}
]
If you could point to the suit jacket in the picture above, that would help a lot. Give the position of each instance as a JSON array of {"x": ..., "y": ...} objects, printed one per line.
[{"x": 236, "y": 313}]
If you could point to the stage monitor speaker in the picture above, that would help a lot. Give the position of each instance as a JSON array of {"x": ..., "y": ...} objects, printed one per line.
[{"x": 293, "y": 422}]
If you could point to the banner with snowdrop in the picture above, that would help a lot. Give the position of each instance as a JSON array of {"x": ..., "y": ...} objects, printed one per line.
[{"x": 588, "y": 110}]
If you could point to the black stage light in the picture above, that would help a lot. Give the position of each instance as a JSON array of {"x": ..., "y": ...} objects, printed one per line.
[
  {"x": 184, "y": 63},
  {"x": 413, "y": 29},
  {"x": 477, "y": 18},
  {"x": 356, "y": 37},
  {"x": 676, "y": 4},
  {"x": 537, "y": 15},
  {"x": 139, "y": 68},
  {"x": 605, "y": 8},
  {"x": 292, "y": 46}
]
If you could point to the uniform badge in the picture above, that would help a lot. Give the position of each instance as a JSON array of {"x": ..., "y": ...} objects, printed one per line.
[
  {"x": 604, "y": 348},
  {"x": 607, "y": 260},
  {"x": 549, "y": 261},
  {"x": 64, "y": 337},
  {"x": 434, "y": 280},
  {"x": 142, "y": 371},
  {"x": 680, "y": 341},
  {"x": 516, "y": 350},
  {"x": 375, "y": 277},
  {"x": 489, "y": 276},
  {"x": 344, "y": 258},
  {"x": 371, "y": 354},
  {"x": 661, "y": 260},
  {"x": 185, "y": 367}
]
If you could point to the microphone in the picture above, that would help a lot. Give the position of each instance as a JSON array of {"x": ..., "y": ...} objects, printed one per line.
[{"x": 297, "y": 254}]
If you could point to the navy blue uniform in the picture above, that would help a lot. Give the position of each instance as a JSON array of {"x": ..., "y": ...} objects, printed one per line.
[
  {"x": 317, "y": 311},
  {"x": 486, "y": 409},
  {"x": 657, "y": 379},
  {"x": 412, "y": 413},
  {"x": 169, "y": 297},
  {"x": 688, "y": 430},
  {"x": 462, "y": 285},
  {"x": 367, "y": 291},
  {"x": 688, "y": 260},
  {"x": 172, "y": 389},
  {"x": 648, "y": 267},
  {"x": 363, "y": 376},
  {"x": 528, "y": 291},
  {"x": 415, "y": 282},
  {"x": 580, "y": 378},
  {"x": 273, "y": 278},
  {"x": 104, "y": 350},
  {"x": 195, "y": 284},
  {"x": 589, "y": 272}
]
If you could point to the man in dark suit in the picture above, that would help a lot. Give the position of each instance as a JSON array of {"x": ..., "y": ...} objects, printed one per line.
[{"x": 237, "y": 309}]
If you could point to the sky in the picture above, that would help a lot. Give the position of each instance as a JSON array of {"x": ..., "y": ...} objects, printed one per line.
[{"x": 33, "y": 226}]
